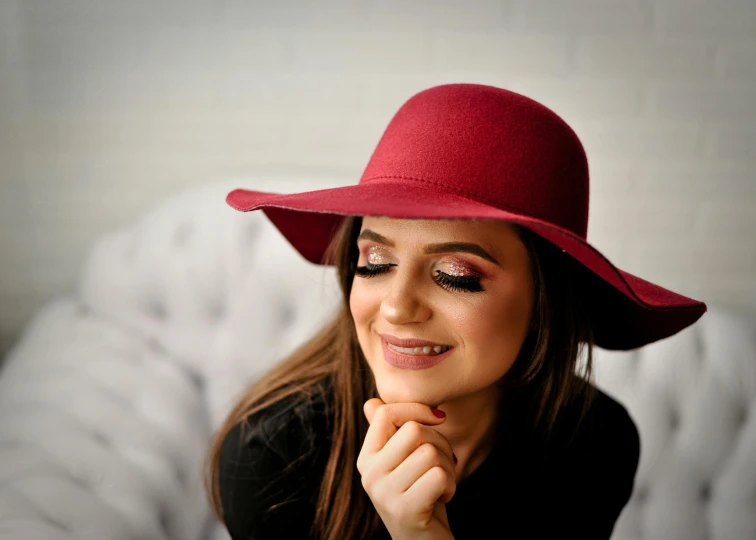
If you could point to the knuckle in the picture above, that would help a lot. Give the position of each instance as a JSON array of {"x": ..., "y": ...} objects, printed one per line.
[
  {"x": 413, "y": 429},
  {"x": 429, "y": 452},
  {"x": 378, "y": 494},
  {"x": 368, "y": 482},
  {"x": 381, "y": 413},
  {"x": 439, "y": 475}
]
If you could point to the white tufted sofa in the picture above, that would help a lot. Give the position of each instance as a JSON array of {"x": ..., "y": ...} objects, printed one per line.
[{"x": 108, "y": 399}]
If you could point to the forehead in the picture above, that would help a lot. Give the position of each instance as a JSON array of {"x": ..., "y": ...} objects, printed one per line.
[{"x": 488, "y": 233}]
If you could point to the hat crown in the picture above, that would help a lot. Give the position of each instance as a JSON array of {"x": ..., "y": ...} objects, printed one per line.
[{"x": 491, "y": 145}]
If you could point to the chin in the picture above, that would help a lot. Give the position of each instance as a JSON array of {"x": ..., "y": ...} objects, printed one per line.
[{"x": 399, "y": 390}]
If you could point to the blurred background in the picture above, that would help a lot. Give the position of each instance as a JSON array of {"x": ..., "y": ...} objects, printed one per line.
[{"x": 107, "y": 107}]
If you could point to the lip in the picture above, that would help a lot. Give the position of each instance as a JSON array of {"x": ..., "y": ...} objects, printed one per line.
[
  {"x": 408, "y": 361},
  {"x": 397, "y": 342}
]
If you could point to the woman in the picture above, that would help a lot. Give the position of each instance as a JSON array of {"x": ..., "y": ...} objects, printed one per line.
[{"x": 451, "y": 396}]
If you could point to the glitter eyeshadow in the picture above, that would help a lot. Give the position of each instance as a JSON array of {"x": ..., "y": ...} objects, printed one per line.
[
  {"x": 376, "y": 255},
  {"x": 456, "y": 268}
]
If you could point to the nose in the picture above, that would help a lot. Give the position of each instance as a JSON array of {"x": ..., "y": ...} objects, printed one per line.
[{"x": 404, "y": 302}]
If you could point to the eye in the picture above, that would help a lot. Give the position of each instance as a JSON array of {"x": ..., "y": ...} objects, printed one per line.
[
  {"x": 371, "y": 270},
  {"x": 458, "y": 283},
  {"x": 452, "y": 283}
]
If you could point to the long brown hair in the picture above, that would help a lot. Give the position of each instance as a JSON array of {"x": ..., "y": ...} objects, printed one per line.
[{"x": 545, "y": 371}]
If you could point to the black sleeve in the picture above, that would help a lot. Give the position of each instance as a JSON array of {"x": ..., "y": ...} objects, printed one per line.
[
  {"x": 601, "y": 474},
  {"x": 269, "y": 480}
]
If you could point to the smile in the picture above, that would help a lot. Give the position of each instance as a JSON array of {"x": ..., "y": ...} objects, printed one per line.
[
  {"x": 413, "y": 353},
  {"x": 420, "y": 351}
]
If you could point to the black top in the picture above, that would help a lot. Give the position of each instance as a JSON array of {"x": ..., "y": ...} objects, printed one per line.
[{"x": 572, "y": 487}]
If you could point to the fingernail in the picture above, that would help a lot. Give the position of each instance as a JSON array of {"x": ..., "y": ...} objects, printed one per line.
[
  {"x": 438, "y": 413},
  {"x": 455, "y": 457}
]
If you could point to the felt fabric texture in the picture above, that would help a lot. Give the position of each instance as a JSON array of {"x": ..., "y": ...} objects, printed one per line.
[{"x": 468, "y": 151}]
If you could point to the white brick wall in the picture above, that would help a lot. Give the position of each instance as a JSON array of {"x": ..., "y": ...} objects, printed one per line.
[{"x": 107, "y": 107}]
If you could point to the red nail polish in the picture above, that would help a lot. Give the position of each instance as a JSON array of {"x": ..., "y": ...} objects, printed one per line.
[
  {"x": 455, "y": 457},
  {"x": 438, "y": 413}
]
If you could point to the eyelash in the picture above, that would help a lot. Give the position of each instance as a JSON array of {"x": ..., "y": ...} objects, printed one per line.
[{"x": 452, "y": 283}]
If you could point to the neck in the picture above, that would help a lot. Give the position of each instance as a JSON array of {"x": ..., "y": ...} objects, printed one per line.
[{"x": 470, "y": 428}]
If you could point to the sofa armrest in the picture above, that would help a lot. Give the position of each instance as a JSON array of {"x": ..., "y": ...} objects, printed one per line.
[{"x": 102, "y": 434}]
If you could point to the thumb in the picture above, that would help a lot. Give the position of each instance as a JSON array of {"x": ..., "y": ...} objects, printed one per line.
[{"x": 370, "y": 407}]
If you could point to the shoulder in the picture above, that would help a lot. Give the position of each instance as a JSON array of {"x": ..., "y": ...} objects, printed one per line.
[
  {"x": 607, "y": 424},
  {"x": 601, "y": 451},
  {"x": 283, "y": 429},
  {"x": 271, "y": 464},
  {"x": 605, "y": 431},
  {"x": 592, "y": 464}
]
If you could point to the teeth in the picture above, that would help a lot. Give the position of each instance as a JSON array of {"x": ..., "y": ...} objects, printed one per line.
[{"x": 438, "y": 349}]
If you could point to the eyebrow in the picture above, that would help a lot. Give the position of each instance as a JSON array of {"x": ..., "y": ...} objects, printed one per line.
[{"x": 446, "y": 247}]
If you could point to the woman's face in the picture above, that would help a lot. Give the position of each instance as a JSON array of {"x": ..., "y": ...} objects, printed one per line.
[{"x": 462, "y": 288}]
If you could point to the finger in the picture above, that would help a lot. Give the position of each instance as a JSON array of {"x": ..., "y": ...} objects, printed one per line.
[
  {"x": 424, "y": 458},
  {"x": 407, "y": 440},
  {"x": 436, "y": 485},
  {"x": 370, "y": 407},
  {"x": 379, "y": 432},
  {"x": 388, "y": 418},
  {"x": 404, "y": 411}
]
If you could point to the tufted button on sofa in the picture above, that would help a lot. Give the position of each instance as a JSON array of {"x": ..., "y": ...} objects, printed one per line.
[
  {"x": 693, "y": 397},
  {"x": 109, "y": 398}
]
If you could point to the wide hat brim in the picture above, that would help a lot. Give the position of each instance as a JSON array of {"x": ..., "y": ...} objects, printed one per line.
[{"x": 626, "y": 311}]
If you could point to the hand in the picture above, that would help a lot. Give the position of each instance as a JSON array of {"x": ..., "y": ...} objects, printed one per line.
[{"x": 407, "y": 469}]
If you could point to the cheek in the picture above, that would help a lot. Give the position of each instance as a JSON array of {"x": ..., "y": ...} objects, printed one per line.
[
  {"x": 497, "y": 326},
  {"x": 364, "y": 307},
  {"x": 361, "y": 305}
]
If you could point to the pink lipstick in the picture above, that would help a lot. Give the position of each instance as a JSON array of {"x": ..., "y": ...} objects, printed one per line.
[{"x": 412, "y": 361}]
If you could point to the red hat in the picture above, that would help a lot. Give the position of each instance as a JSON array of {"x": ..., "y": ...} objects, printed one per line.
[{"x": 479, "y": 152}]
